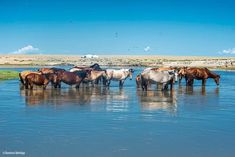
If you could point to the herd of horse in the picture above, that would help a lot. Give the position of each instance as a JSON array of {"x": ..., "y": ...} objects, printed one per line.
[{"x": 94, "y": 74}]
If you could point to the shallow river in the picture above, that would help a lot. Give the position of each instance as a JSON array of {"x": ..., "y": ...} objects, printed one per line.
[{"x": 101, "y": 122}]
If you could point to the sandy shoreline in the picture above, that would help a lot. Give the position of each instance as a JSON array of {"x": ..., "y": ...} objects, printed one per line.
[{"x": 117, "y": 60}]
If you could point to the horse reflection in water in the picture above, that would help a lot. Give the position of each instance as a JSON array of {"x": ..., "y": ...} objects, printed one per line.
[
  {"x": 96, "y": 98},
  {"x": 158, "y": 100},
  {"x": 190, "y": 90},
  {"x": 69, "y": 96}
]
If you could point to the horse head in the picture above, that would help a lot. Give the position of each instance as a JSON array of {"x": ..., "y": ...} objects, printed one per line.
[
  {"x": 130, "y": 73},
  {"x": 217, "y": 79}
]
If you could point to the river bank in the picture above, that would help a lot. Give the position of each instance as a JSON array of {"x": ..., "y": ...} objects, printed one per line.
[{"x": 223, "y": 63}]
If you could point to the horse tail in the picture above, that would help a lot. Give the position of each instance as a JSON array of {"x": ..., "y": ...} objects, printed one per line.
[{"x": 21, "y": 79}]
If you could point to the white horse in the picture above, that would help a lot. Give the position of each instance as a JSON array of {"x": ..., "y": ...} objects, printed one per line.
[
  {"x": 118, "y": 75},
  {"x": 162, "y": 77},
  {"x": 165, "y": 70}
]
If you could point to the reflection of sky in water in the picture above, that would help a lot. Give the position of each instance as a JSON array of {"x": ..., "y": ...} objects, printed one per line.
[{"x": 119, "y": 122}]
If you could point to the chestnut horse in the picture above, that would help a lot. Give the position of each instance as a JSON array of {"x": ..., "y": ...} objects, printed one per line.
[
  {"x": 198, "y": 74},
  {"x": 39, "y": 80},
  {"x": 23, "y": 74}
]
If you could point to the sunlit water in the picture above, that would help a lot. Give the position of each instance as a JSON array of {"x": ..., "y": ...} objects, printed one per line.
[{"x": 123, "y": 122}]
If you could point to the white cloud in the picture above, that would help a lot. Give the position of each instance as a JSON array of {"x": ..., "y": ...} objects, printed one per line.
[
  {"x": 26, "y": 49},
  {"x": 146, "y": 49},
  {"x": 228, "y": 51}
]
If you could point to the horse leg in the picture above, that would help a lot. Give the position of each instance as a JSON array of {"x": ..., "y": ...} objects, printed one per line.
[
  {"x": 59, "y": 85},
  {"x": 180, "y": 79},
  {"x": 163, "y": 86},
  {"x": 44, "y": 87},
  {"x": 93, "y": 83},
  {"x": 120, "y": 83},
  {"x": 171, "y": 85},
  {"x": 105, "y": 81},
  {"x": 30, "y": 85},
  {"x": 77, "y": 85},
  {"x": 190, "y": 82},
  {"x": 203, "y": 82},
  {"x": 144, "y": 86}
]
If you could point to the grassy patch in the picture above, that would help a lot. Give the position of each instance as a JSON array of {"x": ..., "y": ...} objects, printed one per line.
[{"x": 8, "y": 74}]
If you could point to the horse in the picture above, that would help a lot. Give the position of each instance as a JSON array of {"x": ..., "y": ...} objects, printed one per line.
[
  {"x": 50, "y": 70},
  {"x": 89, "y": 68},
  {"x": 200, "y": 74},
  {"x": 95, "y": 75},
  {"x": 118, "y": 75},
  {"x": 152, "y": 76},
  {"x": 182, "y": 73},
  {"x": 23, "y": 74},
  {"x": 39, "y": 80},
  {"x": 72, "y": 78},
  {"x": 168, "y": 70}
]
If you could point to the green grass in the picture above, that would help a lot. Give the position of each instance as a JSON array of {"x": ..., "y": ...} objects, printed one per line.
[{"x": 8, "y": 74}]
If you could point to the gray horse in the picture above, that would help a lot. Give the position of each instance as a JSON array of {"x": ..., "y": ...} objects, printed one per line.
[
  {"x": 118, "y": 75},
  {"x": 151, "y": 76}
]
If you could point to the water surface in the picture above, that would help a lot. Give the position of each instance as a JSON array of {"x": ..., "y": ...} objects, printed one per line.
[{"x": 119, "y": 122}]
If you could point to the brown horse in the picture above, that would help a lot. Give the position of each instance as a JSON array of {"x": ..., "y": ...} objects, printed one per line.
[
  {"x": 39, "y": 80},
  {"x": 199, "y": 74},
  {"x": 72, "y": 78},
  {"x": 182, "y": 73},
  {"x": 23, "y": 74},
  {"x": 89, "y": 68}
]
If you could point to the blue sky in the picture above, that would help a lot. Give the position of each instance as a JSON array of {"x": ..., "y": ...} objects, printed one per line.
[{"x": 130, "y": 27}]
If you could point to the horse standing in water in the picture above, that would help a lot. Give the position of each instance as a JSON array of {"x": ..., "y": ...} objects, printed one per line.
[
  {"x": 95, "y": 75},
  {"x": 151, "y": 76},
  {"x": 95, "y": 67},
  {"x": 23, "y": 74},
  {"x": 168, "y": 70},
  {"x": 72, "y": 78},
  {"x": 39, "y": 80},
  {"x": 200, "y": 74},
  {"x": 118, "y": 75}
]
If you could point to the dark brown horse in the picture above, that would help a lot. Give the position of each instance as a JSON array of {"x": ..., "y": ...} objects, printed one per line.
[
  {"x": 95, "y": 67},
  {"x": 72, "y": 78},
  {"x": 39, "y": 80},
  {"x": 199, "y": 74}
]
